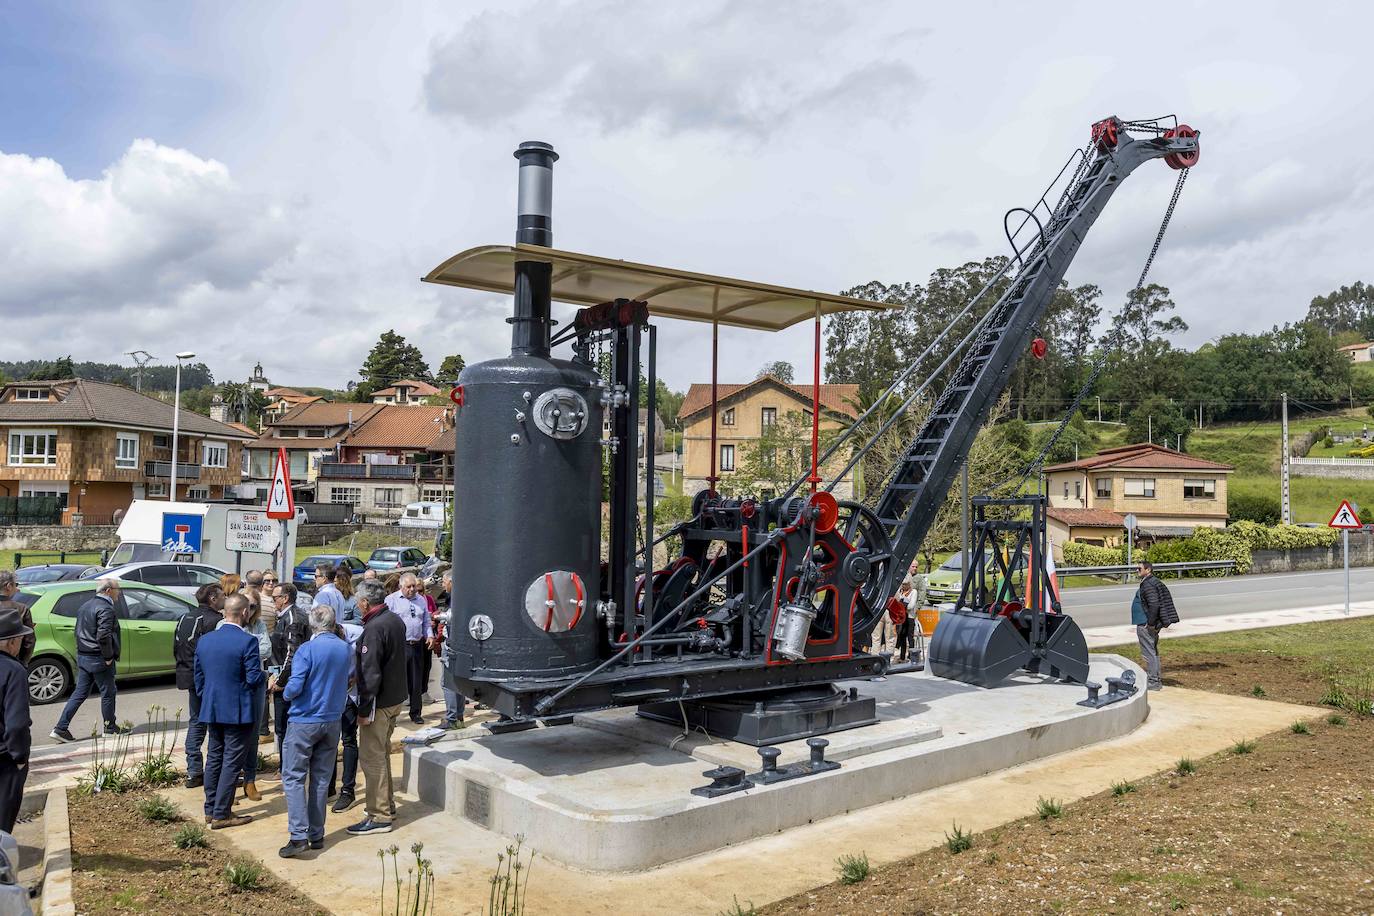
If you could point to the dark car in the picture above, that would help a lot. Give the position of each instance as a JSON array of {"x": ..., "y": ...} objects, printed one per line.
[
  {"x": 384, "y": 559},
  {"x": 304, "y": 574},
  {"x": 54, "y": 572}
]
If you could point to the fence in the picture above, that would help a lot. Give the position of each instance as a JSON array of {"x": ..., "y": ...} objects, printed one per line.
[
  {"x": 30, "y": 510},
  {"x": 1340, "y": 468},
  {"x": 45, "y": 557}
]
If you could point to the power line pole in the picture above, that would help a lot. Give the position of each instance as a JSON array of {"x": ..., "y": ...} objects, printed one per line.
[
  {"x": 141, "y": 359},
  {"x": 1287, "y": 512}
]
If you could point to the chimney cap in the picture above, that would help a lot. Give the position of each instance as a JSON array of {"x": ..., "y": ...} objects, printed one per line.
[{"x": 535, "y": 148}]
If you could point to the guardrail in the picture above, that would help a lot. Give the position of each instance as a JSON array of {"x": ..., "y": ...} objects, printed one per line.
[{"x": 1125, "y": 571}]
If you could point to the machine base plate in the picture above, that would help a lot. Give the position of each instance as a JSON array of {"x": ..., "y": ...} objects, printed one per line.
[{"x": 769, "y": 717}]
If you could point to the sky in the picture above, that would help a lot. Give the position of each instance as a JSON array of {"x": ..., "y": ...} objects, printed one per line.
[{"x": 267, "y": 182}]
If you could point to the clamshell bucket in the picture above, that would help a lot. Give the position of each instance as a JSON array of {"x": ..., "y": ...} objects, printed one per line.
[{"x": 984, "y": 649}]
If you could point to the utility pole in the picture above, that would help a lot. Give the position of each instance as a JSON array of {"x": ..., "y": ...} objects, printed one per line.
[
  {"x": 1099, "y": 408},
  {"x": 1287, "y": 512},
  {"x": 141, "y": 359},
  {"x": 1150, "y": 429}
]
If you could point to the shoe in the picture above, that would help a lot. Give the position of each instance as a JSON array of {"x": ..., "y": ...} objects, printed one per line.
[
  {"x": 293, "y": 849},
  {"x": 265, "y": 739},
  {"x": 344, "y": 803},
  {"x": 117, "y": 729},
  {"x": 1156, "y": 688},
  {"x": 250, "y": 791},
  {"x": 233, "y": 820},
  {"x": 209, "y": 820},
  {"x": 61, "y": 735},
  {"x": 317, "y": 844},
  {"x": 418, "y": 720},
  {"x": 368, "y": 825},
  {"x": 195, "y": 782}
]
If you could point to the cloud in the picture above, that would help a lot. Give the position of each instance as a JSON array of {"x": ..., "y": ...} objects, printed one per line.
[{"x": 731, "y": 68}]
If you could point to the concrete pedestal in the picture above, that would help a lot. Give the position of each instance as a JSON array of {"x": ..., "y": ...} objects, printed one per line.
[{"x": 612, "y": 791}]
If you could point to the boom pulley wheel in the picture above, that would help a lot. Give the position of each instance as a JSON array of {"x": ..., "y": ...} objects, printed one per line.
[{"x": 1182, "y": 160}]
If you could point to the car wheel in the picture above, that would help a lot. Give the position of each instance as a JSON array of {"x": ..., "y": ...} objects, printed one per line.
[{"x": 49, "y": 680}]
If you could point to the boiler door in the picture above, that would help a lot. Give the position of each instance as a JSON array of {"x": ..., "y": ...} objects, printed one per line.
[
  {"x": 560, "y": 413},
  {"x": 555, "y": 601}
]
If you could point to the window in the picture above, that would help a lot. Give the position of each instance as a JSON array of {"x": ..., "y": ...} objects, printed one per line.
[
  {"x": 769, "y": 417},
  {"x": 69, "y": 604},
  {"x": 1066, "y": 489},
  {"x": 728, "y": 418},
  {"x": 162, "y": 440},
  {"x": 1139, "y": 486},
  {"x": 1103, "y": 487},
  {"x": 387, "y": 497},
  {"x": 157, "y": 488},
  {"x": 145, "y": 605},
  {"x": 30, "y": 394},
  {"x": 166, "y": 575},
  {"x": 1202, "y": 488},
  {"x": 214, "y": 454},
  {"x": 201, "y": 493},
  {"x": 314, "y": 433},
  {"x": 1078, "y": 489},
  {"x": 200, "y": 575},
  {"x": 245, "y": 462},
  {"x": 348, "y": 496},
  {"x": 51, "y": 489},
  {"x": 126, "y": 450},
  {"x": 436, "y": 495},
  {"x": 33, "y": 446},
  {"x": 727, "y": 457}
]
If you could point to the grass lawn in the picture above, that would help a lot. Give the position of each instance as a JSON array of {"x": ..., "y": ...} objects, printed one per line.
[
  {"x": 362, "y": 544},
  {"x": 1314, "y": 499}
]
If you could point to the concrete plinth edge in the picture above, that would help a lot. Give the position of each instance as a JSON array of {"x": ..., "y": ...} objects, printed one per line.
[
  {"x": 556, "y": 786},
  {"x": 57, "y": 856}
]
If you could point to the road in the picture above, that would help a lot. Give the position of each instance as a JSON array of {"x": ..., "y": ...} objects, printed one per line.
[
  {"x": 1111, "y": 604},
  {"x": 1091, "y": 607}
]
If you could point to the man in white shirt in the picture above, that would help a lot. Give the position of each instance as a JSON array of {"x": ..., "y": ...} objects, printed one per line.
[{"x": 409, "y": 605}]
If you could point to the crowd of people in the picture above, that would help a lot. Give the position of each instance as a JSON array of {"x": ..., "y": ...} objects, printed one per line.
[{"x": 316, "y": 677}]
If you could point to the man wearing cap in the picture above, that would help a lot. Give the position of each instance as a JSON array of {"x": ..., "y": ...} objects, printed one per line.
[
  {"x": 9, "y": 587},
  {"x": 15, "y": 738}
]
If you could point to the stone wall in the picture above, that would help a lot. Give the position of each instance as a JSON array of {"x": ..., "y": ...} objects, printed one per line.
[
  {"x": 1341, "y": 468},
  {"x": 1312, "y": 558},
  {"x": 316, "y": 535},
  {"x": 57, "y": 537}
]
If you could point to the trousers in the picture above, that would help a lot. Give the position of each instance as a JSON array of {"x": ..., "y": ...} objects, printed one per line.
[
  {"x": 348, "y": 733},
  {"x": 1149, "y": 654},
  {"x": 415, "y": 674},
  {"x": 195, "y": 735},
  {"x": 12, "y": 779},
  {"x": 308, "y": 751},
  {"x": 374, "y": 753},
  {"x": 91, "y": 671},
  {"x": 224, "y": 757}
]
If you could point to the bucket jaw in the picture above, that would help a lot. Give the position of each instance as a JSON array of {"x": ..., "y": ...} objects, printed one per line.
[{"x": 984, "y": 649}]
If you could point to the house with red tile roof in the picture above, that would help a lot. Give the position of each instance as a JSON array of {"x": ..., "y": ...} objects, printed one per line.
[
  {"x": 405, "y": 391},
  {"x": 1170, "y": 493},
  {"x": 398, "y": 454}
]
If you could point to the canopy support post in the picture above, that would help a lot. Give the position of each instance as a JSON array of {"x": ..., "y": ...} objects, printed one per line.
[{"x": 815, "y": 477}]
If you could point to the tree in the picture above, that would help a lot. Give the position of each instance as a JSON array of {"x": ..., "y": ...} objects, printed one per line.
[
  {"x": 1350, "y": 308},
  {"x": 447, "y": 376},
  {"x": 1160, "y": 421},
  {"x": 773, "y": 462},
  {"x": 60, "y": 368},
  {"x": 389, "y": 361},
  {"x": 244, "y": 402},
  {"x": 1252, "y": 507},
  {"x": 780, "y": 369}
]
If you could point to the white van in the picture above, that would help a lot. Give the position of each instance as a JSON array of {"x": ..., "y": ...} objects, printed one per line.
[{"x": 422, "y": 515}]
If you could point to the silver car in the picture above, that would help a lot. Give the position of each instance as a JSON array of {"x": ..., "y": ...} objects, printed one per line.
[
  {"x": 14, "y": 897},
  {"x": 182, "y": 578}
]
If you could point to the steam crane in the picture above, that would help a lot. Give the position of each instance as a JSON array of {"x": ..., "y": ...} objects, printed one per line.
[{"x": 770, "y": 601}]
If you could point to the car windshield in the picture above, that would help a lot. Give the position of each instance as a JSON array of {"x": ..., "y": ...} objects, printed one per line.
[
  {"x": 35, "y": 574},
  {"x": 955, "y": 562},
  {"x": 383, "y": 554},
  {"x": 312, "y": 562}
]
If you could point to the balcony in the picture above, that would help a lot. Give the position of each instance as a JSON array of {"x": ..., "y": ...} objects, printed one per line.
[
  {"x": 337, "y": 470},
  {"x": 164, "y": 469}
]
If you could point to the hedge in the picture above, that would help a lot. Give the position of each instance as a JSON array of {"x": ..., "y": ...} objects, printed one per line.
[
  {"x": 1076, "y": 554},
  {"x": 1284, "y": 537}
]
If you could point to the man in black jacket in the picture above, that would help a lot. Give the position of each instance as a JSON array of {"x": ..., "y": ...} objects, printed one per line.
[
  {"x": 97, "y": 651},
  {"x": 1157, "y": 605},
  {"x": 382, "y": 691},
  {"x": 15, "y": 737},
  {"x": 190, "y": 628},
  {"x": 9, "y": 587},
  {"x": 291, "y": 631}
]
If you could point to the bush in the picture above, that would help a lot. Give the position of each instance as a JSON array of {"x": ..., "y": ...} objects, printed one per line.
[
  {"x": 1048, "y": 808},
  {"x": 958, "y": 841},
  {"x": 1122, "y": 788},
  {"x": 1283, "y": 537},
  {"x": 243, "y": 874},
  {"x": 190, "y": 836},
  {"x": 1185, "y": 767},
  {"x": 1253, "y": 507},
  {"x": 1076, "y": 554},
  {"x": 853, "y": 869},
  {"x": 1299, "y": 728},
  {"x": 159, "y": 809},
  {"x": 1243, "y": 746}
]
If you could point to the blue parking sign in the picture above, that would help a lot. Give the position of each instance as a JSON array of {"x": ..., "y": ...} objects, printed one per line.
[{"x": 181, "y": 533}]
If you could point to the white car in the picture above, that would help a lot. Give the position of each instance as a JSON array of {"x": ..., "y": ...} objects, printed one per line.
[{"x": 182, "y": 578}]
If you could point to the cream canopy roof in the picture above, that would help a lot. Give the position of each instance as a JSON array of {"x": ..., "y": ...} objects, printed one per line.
[{"x": 583, "y": 279}]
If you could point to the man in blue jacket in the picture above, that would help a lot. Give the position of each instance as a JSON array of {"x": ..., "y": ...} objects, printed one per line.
[
  {"x": 227, "y": 671},
  {"x": 316, "y": 690}
]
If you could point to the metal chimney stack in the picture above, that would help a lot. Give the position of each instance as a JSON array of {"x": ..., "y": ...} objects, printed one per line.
[{"x": 531, "y": 323}]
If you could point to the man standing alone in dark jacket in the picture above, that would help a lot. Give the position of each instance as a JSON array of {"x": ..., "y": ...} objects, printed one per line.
[
  {"x": 97, "y": 651},
  {"x": 1151, "y": 611},
  {"x": 382, "y": 690},
  {"x": 15, "y": 736},
  {"x": 190, "y": 628}
]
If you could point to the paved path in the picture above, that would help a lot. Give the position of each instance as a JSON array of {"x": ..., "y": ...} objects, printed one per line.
[{"x": 1196, "y": 598}]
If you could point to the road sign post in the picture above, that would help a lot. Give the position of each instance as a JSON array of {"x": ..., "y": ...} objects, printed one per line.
[
  {"x": 1347, "y": 518},
  {"x": 281, "y": 505},
  {"x": 1130, "y": 523}
]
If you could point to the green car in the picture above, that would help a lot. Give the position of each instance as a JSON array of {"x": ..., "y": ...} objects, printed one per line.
[
  {"x": 147, "y": 618},
  {"x": 945, "y": 579}
]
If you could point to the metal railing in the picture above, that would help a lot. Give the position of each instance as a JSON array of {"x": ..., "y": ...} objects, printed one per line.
[
  {"x": 44, "y": 558},
  {"x": 164, "y": 469},
  {"x": 1345, "y": 462},
  {"x": 339, "y": 470},
  {"x": 1227, "y": 566}
]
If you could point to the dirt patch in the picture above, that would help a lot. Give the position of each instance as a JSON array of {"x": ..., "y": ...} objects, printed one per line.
[
  {"x": 122, "y": 863},
  {"x": 1288, "y": 827}
]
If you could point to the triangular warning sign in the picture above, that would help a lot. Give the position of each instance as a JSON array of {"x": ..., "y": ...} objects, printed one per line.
[
  {"x": 1345, "y": 517},
  {"x": 280, "y": 503}
]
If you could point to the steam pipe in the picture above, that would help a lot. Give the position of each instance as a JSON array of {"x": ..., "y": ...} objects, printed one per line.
[{"x": 531, "y": 323}]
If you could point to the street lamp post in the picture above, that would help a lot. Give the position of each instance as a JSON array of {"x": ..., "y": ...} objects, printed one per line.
[{"x": 176, "y": 422}]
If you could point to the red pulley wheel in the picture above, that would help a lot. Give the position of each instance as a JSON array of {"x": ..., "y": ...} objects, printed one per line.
[
  {"x": 1182, "y": 160},
  {"x": 827, "y": 510},
  {"x": 1039, "y": 348},
  {"x": 1104, "y": 134}
]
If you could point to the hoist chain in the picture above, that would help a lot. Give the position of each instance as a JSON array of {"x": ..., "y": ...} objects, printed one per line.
[{"x": 1113, "y": 344}]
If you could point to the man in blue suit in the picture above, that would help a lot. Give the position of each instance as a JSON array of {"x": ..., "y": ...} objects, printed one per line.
[{"x": 227, "y": 670}]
